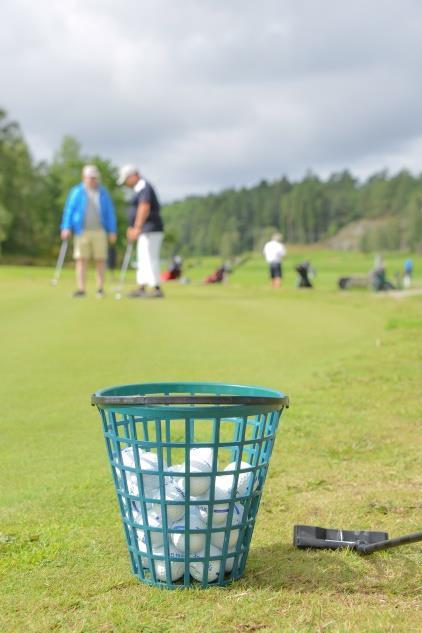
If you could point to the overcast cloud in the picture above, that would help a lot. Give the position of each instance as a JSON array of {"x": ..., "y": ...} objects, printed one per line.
[{"x": 205, "y": 95}]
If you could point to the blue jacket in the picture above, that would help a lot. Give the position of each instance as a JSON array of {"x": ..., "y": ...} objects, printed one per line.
[{"x": 75, "y": 207}]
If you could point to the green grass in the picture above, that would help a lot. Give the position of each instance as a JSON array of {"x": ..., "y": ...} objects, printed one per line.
[{"x": 347, "y": 454}]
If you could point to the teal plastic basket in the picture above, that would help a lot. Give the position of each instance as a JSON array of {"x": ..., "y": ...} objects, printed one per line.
[{"x": 189, "y": 462}]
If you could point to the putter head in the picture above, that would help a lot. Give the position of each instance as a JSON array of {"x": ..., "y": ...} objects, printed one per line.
[
  {"x": 54, "y": 282},
  {"x": 311, "y": 536}
]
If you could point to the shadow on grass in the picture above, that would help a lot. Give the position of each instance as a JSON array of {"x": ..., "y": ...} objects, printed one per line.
[{"x": 281, "y": 566}]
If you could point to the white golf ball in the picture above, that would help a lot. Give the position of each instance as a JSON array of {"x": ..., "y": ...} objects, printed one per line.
[
  {"x": 244, "y": 480},
  {"x": 177, "y": 565},
  {"x": 197, "y": 485},
  {"x": 154, "y": 521},
  {"x": 147, "y": 462},
  {"x": 230, "y": 561},
  {"x": 219, "y": 510},
  {"x": 172, "y": 493},
  {"x": 202, "y": 454},
  {"x": 196, "y": 568},
  {"x": 196, "y": 540},
  {"x": 217, "y": 538},
  {"x": 118, "y": 296},
  {"x": 200, "y": 461}
]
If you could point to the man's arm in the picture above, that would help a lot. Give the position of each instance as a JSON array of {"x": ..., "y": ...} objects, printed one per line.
[
  {"x": 142, "y": 213},
  {"x": 111, "y": 222},
  {"x": 67, "y": 215}
]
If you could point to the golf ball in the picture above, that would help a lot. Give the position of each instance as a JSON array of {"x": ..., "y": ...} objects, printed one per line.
[
  {"x": 219, "y": 510},
  {"x": 172, "y": 493},
  {"x": 244, "y": 480},
  {"x": 147, "y": 462},
  {"x": 202, "y": 454},
  {"x": 177, "y": 565},
  {"x": 196, "y": 539},
  {"x": 229, "y": 561},
  {"x": 197, "y": 569},
  {"x": 217, "y": 538},
  {"x": 200, "y": 461},
  {"x": 197, "y": 485},
  {"x": 154, "y": 521}
]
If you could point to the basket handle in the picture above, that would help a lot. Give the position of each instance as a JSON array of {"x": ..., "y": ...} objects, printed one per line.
[{"x": 139, "y": 400}]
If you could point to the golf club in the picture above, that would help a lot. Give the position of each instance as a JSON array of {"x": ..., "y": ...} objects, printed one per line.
[
  {"x": 363, "y": 542},
  {"x": 125, "y": 265},
  {"x": 60, "y": 262}
]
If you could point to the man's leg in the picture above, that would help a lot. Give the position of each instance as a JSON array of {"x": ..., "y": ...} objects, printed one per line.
[
  {"x": 154, "y": 247},
  {"x": 141, "y": 267},
  {"x": 142, "y": 261},
  {"x": 99, "y": 244},
  {"x": 81, "y": 266},
  {"x": 100, "y": 268},
  {"x": 81, "y": 256}
]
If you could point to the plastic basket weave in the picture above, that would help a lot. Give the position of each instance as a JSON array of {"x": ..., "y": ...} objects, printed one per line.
[{"x": 151, "y": 428}]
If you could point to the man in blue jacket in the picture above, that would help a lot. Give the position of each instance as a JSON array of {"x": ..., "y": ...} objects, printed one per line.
[{"x": 89, "y": 214}]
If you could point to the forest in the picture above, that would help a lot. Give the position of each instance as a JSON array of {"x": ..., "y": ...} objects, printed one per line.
[{"x": 227, "y": 223}]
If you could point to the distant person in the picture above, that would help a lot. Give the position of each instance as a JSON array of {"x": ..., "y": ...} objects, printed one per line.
[
  {"x": 146, "y": 227},
  {"x": 89, "y": 214},
  {"x": 274, "y": 251},
  {"x": 407, "y": 273},
  {"x": 378, "y": 262}
]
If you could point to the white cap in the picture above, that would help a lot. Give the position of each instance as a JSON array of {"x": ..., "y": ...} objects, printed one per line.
[
  {"x": 90, "y": 171},
  {"x": 125, "y": 172}
]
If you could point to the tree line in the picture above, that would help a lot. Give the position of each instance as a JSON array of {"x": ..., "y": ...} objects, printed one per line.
[
  {"x": 32, "y": 195},
  {"x": 308, "y": 211}
]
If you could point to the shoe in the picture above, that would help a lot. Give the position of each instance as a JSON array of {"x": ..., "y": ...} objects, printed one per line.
[
  {"x": 79, "y": 293},
  {"x": 100, "y": 294},
  {"x": 157, "y": 293},
  {"x": 139, "y": 293}
]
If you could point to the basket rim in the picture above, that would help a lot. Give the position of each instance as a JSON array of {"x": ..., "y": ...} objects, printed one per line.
[
  {"x": 106, "y": 397},
  {"x": 169, "y": 400}
]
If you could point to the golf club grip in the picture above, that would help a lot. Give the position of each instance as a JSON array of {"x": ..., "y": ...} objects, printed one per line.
[{"x": 393, "y": 542}]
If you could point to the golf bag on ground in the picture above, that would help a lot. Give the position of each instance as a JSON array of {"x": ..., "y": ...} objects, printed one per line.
[
  {"x": 347, "y": 283},
  {"x": 218, "y": 276},
  {"x": 174, "y": 270},
  {"x": 304, "y": 270},
  {"x": 380, "y": 281}
]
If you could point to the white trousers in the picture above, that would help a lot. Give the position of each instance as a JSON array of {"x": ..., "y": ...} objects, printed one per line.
[{"x": 148, "y": 255}]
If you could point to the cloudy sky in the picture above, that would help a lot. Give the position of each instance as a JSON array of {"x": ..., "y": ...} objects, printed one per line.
[{"x": 206, "y": 94}]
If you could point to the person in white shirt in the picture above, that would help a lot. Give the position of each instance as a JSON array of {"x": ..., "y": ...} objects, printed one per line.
[{"x": 274, "y": 251}]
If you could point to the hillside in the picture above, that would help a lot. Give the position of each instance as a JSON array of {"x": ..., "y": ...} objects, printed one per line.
[{"x": 350, "y": 237}]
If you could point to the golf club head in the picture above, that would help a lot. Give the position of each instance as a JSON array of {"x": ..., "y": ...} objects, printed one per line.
[
  {"x": 311, "y": 536},
  {"x": 54, "y": 282}
]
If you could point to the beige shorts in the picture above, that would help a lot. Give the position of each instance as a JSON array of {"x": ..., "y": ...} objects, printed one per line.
[{"x": 90, "y": 244}]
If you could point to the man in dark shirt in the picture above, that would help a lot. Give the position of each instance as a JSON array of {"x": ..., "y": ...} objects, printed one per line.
[{"x": 145, "y": 226}]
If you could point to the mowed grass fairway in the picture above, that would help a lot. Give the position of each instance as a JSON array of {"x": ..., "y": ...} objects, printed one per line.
[{"x": 347, "y": 453}]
